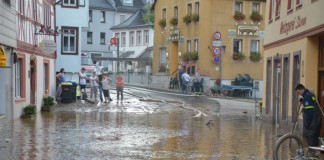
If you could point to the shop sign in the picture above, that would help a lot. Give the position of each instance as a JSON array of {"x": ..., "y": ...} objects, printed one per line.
[
  {"x": 47, "y": 46},
  {"x": 298, "y": 22},
  {"x": 3, "y": 59}
]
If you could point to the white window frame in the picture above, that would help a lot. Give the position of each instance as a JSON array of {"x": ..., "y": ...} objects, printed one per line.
[
  {"x": 122, "y": 18},
  {"x": 18, "y": 66},
  {"x": 239, "y": 47},
  {"x": 90, "y": 15},
  {"x": 240, "y": 5},
  {"x": 257, "y": 45},
  {"x": 257, "y": 5},
  {"x": 103, "y": 17},
  {"x": 196, "y": 44},
  {"x": 102, "y": 39},
  {"x": 189, "y": 45},
  {"x": 139, "y": 38},
  {"x": 163, "y": 56},
  {"x": 69, "y": 4},
  {"x": 117, "y": 35},
  {"x": 128, "y": 1},
  {"x": 123, "y": 39},
  {"x": 70, "y": 35},
  {"x": 131, "y": 38},
  {"x": 89, "y": 37},
  {"x": 146, "y": 37}
]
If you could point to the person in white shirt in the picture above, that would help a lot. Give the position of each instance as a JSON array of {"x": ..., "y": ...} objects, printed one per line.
[
  {"x": 185, "y": 82},
  {"x": 83, "y": 80},
  {"x": 94, "y": 86},
  {"x": 106, "y": 81}
]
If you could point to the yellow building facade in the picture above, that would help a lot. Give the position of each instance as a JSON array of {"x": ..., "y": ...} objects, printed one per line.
[
  {"x": 207, "y": 28},
  {"x": 293, "y": 54}
]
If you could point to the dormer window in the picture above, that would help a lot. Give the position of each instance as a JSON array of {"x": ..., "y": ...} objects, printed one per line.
[
  {"x": 70, "y": 3},
  {"x": 128, "y": 2}
]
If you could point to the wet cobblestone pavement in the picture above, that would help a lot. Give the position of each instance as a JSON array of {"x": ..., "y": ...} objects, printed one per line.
[{"x": 139, "y": 128}]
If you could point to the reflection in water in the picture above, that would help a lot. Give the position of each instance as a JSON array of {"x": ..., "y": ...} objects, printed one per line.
[{"x": 111, "y": 135}]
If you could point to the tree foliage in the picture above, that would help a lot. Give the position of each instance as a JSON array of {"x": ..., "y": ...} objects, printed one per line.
[{"x": 149, "y": 15}]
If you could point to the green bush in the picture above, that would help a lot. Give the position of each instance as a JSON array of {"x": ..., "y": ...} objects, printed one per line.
[
  {"x": 30, "y": 109},
  {"x": 49, "y": 101}
]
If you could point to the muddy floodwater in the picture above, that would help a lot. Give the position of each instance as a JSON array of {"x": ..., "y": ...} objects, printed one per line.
[{"x": 136, "y": 130}]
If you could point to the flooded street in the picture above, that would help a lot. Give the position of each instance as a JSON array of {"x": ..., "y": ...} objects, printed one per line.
[{"x": 139, "y": 129}]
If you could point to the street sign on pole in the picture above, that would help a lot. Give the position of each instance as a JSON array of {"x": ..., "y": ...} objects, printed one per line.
[
  {"x": 216, "y": 59},
  {"x": 217, "y": 36},
  {"x": 216, "y": 50},
  {"x": 217, "y": 43},
  {"x": 113, "y": 41}
]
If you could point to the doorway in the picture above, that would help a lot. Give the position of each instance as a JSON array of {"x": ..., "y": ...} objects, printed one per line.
[
  {"x": 276, "y": 90},
  {"x": 321, "y": 78},
  {"x": 33, "y": 79}
]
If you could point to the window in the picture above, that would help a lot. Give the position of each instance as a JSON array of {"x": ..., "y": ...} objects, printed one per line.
[
  {"x": 254, "y": 46},
  {"x": 20, "y": 77},
  {"x": 164, "y": 13},
  {"x": 131, "y": 38},
  {"x": 117, "y": 35},
  {"x": 176, "y": 12},
  {"x": 278, "y": 5},
  {"x": 7, "y": 2},
  {"x": 271, "y": 9},
  {"x": 196, "y": 43},
  {"x": 103, "y": 17},
  {"x": 139, "y": 37},
  {"x": 122, "y": 18},
  {"x": 46, "y": 77},
  {"x": 70, "y": 3},
  {"x": 21, "y": 6},
  {"x": 128, "y": 1},
  {"x": 298, "y": 3},
  {"x": 239, "y": 7},
  {"x": 237, "y": 46},
  {"x": 256, "y": 7},
  {"x": 162, "y": 55},
  {"x": 47, "y": 14},
  {"x": 89, "y": 37},
  {"x": 189, "y": 9},
  {"x": 102, "y": 38},
  {"x": 197, "y": 7},
  {"x": 146, "y": 37},
  {"x": 70, "y": 40},
  {"x": 123, "y": 39},
  {"x": 90, "y": 15},
  {"x": 189, "y": 45}
]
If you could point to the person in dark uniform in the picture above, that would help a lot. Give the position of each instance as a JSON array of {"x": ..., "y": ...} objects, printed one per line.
[{"x": 312, "y": 115}]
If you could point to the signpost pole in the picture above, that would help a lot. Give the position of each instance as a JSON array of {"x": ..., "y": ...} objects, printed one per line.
[{"x": 117, "y": 55}]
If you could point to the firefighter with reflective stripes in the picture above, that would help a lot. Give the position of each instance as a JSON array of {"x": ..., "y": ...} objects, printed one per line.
[{"x": 312, "y": 115}]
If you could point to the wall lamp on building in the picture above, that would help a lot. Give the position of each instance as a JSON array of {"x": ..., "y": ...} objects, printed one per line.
[{"x": 167, "y": 54}]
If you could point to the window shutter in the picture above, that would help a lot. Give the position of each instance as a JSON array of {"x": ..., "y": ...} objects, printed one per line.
[{"x": 289, "y": 5}]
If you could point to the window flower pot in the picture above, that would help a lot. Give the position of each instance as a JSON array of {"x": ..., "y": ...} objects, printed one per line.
[
  {"x": 187, "y": 19},
  {"x": 256, "y": 17},
  {"x": 174, "y": 21},
  {"x": 162, "y": 23},
  {"x": 195, "y": 18},
  {"x": 239, "y": 16},
  {"x": 255, "y": 56},
  {"x": 238, "y": 56}
]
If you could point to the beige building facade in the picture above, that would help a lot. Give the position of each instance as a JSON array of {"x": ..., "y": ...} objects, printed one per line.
[
  {"x": 208, "y": 29},
  {"x": 294, "y": 54}
]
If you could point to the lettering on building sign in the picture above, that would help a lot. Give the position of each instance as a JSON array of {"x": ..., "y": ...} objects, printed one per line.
[
  {"x": 3, "y": 59},
  {"x": 298, "y": 22}
]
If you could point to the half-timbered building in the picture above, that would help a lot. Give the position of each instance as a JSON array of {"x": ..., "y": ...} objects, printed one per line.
[{"x": 34, "y": 75}]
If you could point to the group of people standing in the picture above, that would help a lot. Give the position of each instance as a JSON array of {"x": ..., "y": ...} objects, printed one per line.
[
  {"x": 185, "y": 78},
  {"x": 99, "y": 83}
]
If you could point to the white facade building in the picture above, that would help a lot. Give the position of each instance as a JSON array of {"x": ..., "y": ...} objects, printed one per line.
[{"x": 71, "y": 19}]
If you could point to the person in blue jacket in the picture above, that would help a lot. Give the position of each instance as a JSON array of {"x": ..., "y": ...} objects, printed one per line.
[{"x": 312, "y": 115}]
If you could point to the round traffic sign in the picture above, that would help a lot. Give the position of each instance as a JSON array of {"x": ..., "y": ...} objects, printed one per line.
[
  {"x": 216, "y": 59},
  {"x": 217, "y": 36},
  {"x": 217, "y": 50}
]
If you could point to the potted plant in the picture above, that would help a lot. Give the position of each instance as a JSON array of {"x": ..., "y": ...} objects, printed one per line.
[
  {"x": 48, "y": 103},
  {"x": 195, "y": 18},
  {"x": 162, "y": 68},
  {"x": 194, "y": 56},
  {"x": 29, "y": 111},
  {"x": 162, "y": 23},
  {"x": 187, "y": 19},
  {"x": 255, "y": 16},
  {"x": 186, "y": 57},
  {"x": 174, "y": 21},
  {"x": 239, "y": 16},
  {"x": 255, "y": 56},
  {"x": 238, "y": 56}
]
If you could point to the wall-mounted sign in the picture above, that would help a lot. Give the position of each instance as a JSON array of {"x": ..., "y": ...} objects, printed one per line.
[
  {"x": 298, "y": 22},
  {"x": 217, "y": 50},
  {"x": 3, "y": 59},
  {"x": 217, "y": 36},
  {"x": 174, "y": 34},
  {"x": 217, "y": 43},
  {"x": 47, "y": 46}
]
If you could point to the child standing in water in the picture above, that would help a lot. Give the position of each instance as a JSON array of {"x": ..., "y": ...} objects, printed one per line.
[
  {"x": 106, "y": 81},
  {"x": 94, "y": 86},
  {"x": 120, "y": 87}
]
